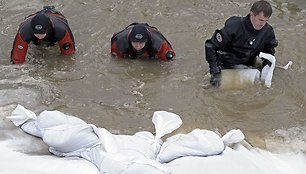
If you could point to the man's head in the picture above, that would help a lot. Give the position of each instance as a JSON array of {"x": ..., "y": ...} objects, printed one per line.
[
  {"x": 260, "y": 13},
  {"x": 139, "y": 37},
  {"x": 40, "y": 24}
]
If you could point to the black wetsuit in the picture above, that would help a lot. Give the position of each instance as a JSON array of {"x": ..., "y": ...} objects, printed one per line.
[{"x": 239, "y": 43}]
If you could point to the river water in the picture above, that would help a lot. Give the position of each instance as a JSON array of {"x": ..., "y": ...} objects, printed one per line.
[{"x": 121, "y": 95}]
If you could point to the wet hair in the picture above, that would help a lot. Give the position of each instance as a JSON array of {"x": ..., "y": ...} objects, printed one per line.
[{"x": 262, "y": 6}]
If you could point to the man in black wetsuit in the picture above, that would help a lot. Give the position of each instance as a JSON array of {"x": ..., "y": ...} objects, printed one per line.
[{"x": 240, "y": 41}]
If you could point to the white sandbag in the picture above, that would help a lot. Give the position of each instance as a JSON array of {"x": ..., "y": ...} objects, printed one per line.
[
  {"x": 126, "y": 154},
  {"x": 232, "y": 137},
  {"x": 47, "y": 119},
  {"x": 121, "y": 162},
  {"x": 115, "y": 153},
  {"x": 67, "y": 138},
  {"x": 144, "y": 165},
  {"x": 110, "y": 163},
  {"x": 238, "y": 161},
  {"x": 137, "y": 168},
  {"x": 153, "y": 144},
  {"x": 131, "y": 165},
  {"x": 144, "y": 142},
  {"x": 165, "y": 122},
  {"x": 132, "y": 154},
  {"x": 229, "y": 162},
  {"x": 15, "y": 162},
  {"x": 27, "y": 119},
  {"x": 141, "y": 144},
  {"x": 60, "y": 131},
  {"x": 196, "y": 143},
  {"x": 20, "y": 115},
  {"x": 65, "y": 133},
  {"x": 237, "y": 78},
  {"x": 32, "y": 128},
  {"x": 267, "y": 71}
]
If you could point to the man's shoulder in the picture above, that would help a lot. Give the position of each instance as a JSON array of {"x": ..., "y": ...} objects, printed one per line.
[
  {"x": 233, "y": 24},
  {"x": 26, "y": 31},
  {"x": 122, "y": 35},
  {"x": 59, "y": 26},
  {"x": 270, "y": 27},
  {"x": 121, "y": 38},
  {"x": 58, "y": 22},
  {"x": 233, "y": 20}
]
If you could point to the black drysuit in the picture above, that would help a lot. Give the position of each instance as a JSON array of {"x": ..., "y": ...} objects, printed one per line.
[{"x": 238, "y": 43}]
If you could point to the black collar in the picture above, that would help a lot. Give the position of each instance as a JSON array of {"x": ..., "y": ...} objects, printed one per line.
[{"x": 249, "y": 25}]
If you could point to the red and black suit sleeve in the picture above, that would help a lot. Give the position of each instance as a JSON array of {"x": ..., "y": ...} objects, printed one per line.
[
  {"x": 161, "y": 46},
  {"x": 120, "y": 43},
  {"x": 21, "y": 43},
  {"x": 63, "y": 34}
]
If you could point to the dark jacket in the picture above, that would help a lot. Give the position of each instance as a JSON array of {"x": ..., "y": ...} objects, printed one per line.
[
  {"x": 157, "y": 45},
  {"x": 59, "y": 32},
  {"x": 239, "y": 43}
]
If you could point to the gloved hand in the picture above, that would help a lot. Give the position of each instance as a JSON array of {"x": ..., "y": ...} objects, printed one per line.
[
  {"x": 215, "y": 72},
  {"x": 215, "y": 80}
]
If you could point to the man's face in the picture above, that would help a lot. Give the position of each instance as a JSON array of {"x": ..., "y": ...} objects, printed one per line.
[
  {"x": 258, "y": 21},
  {"x": 138, "y": 45},
  {"x": 40, "y": 36}
]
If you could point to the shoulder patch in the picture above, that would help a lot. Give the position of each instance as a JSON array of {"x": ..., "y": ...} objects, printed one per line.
[{"x": 219, "y": 37}]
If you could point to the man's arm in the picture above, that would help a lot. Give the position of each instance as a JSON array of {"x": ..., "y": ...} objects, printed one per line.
[
  {"x": 218, "y": 41},
  {"x": 19, "y": 51},
  {"x": 165, "y": 52},
  {"x": 270, "y": 44},
  {"x": 66, "y": 44},
  {"x": 269, "y": 47}
]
